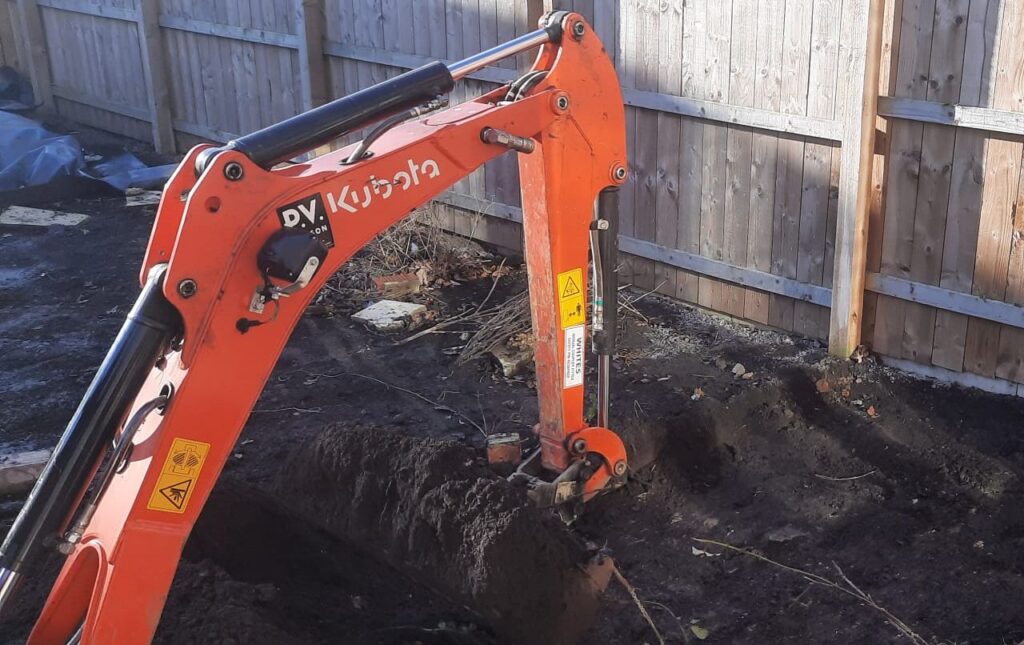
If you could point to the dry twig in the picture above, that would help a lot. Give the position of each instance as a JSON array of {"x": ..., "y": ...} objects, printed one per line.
[
  {"x": 849, "y": 588},
  {"x": 682, "y": 629},
  {"x": 498, "y": 324},
  {"x": 316, "y": 410},
  {"x": 846, "y": 479},
  {"x": 639, "y": 603},
  {"x": 629, "y": 304}
]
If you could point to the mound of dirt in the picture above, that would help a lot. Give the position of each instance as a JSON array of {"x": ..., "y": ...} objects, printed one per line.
[{"x": 433, "y": 511}]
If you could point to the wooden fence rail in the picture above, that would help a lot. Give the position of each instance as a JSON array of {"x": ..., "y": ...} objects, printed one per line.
[{"x": 844, "y": 169}]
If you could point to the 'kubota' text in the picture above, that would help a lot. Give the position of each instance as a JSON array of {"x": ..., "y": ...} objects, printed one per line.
[{"x": 351, "y": 200}]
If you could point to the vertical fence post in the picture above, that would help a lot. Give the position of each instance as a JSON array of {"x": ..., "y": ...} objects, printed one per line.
[
  {"x": 860, "y": 72},
  {"x": 8, "y": 36},
  {"x": 154, "y": 68},
  {"x": 535, "y": 9},
  {"x": 310, "y": 20},
  {"x": 37, "y": 60}
]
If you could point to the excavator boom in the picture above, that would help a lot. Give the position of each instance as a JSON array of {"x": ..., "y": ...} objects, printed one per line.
[{"x": 242, "y": 243}]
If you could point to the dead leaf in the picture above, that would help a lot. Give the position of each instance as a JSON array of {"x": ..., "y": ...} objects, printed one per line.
[
  {"x": 747, "y": 376},
  {"x": 872, "y": 412},
  {"x": 698, "y": 394},
  {"x": 823, "y": 385},
  {"x": 699, "y": 632},
  {"x": 860, "y": 354}
]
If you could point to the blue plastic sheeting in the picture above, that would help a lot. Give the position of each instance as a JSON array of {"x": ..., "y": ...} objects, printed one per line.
[
  {"x": 30, "y": 155},
  {"x": 126, "y": 171}
]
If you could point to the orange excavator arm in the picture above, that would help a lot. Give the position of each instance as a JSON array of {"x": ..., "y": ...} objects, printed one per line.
[{"x": 240, "y": 246}]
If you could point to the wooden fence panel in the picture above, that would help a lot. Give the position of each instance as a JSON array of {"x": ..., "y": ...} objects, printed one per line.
[
  {"x": 952, "y": 193},
  {"x": 734, "y": 114},
  {"x": 96, "y": 69}
]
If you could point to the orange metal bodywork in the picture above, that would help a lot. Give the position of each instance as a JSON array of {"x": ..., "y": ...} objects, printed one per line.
[{"x": 209, "y": 230}]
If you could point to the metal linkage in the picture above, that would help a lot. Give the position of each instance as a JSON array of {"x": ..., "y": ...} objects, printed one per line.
[{"x": 121, "y": 452}]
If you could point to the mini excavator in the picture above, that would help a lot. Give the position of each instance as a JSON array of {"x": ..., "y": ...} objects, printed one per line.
[{"x": 244, "y": 239}]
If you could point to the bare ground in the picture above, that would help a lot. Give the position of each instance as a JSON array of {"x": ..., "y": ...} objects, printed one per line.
[{"x": 919, "y": 503}]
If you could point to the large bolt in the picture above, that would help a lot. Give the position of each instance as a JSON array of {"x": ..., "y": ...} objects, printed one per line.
[
  {"x": 620, "y": 468},
  {"x": 187, "y": 288},
  {"x": 619, "y": 173},
  {"x": 562, "y": 103},
  {"x": 578, "y": 30},
  {"x": 234, "y": 171},
  {"x": 579, "y": 446}
]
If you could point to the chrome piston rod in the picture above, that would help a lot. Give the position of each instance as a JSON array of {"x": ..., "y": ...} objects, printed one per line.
[
  {"x": 8, "y": 579},
  {"x": 476, "y": 62}
]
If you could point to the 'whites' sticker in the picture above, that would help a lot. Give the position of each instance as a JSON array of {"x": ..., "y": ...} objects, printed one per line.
[{"x": 573, "y": 365}]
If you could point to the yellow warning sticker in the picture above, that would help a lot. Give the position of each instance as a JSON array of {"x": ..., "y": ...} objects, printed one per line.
[
  {"x": 570, "y": 298},
  {"x": 178, "y": 476}
]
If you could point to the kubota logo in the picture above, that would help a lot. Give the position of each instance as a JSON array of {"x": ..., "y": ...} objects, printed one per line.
[
  {"x": 351, "y": 200},
  {"x": 310, "y": 214}
]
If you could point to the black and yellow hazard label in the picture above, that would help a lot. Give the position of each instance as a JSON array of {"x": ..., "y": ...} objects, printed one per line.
[
  {"x": 570, "y": 298},
  {"x": 178, "y": 476}
]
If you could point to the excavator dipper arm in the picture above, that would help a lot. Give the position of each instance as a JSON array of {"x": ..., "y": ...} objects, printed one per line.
[{"x": 240, "y": 246}]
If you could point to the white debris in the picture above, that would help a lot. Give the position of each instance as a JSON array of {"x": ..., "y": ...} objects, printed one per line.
[
  {"x": 390, "y": 315},
  {"x": 785, "y": 534},
  {"x": 142, "y": 198},
  {"x": 25, "y": 216},
  {"x": 738, "y": 369},
  {"x": 19, "y": 470}
]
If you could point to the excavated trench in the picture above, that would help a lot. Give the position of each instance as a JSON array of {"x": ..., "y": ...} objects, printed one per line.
[{"x": 372, "y": 536}]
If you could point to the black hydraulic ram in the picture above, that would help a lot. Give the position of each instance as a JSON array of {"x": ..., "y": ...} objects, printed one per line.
[
  {"x": 321, "y": 125},
  {"x": 604, "y": 244},
  {"x": 150, "y": 326},
  {"x": 306, "y": 131}
]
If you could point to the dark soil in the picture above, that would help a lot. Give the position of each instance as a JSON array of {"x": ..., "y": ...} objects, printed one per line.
[
  {"x": 431, "y": 509},
  {"x": 354, "y": 512},
  {"x": 255, "y": 573}
]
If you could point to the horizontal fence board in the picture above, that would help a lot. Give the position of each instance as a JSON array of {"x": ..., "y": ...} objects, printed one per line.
[
  {"x": 966, "y": 379},
  {"x": 750, "y": 117},
  {"x": 245, "y": 34},
  {"x": 723, "y": 271},
  {"x": 792, "y": 124},
  {"x": 203, "y": 131},
  {"x": 410, "y": 61},
  {"x": 70, "y": 94},
  {"x": 962, "y": 116},
  {"x": 494, "y": 209},
  {"x": 941, "y": 298},
  {"x": 90, "y": 9},
  {"x": 680, "y": 259}
]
